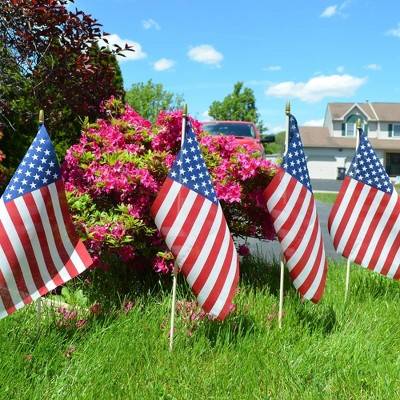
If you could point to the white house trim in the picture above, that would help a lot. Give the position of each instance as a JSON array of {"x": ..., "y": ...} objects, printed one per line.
[{"x": 351, "y": 108}]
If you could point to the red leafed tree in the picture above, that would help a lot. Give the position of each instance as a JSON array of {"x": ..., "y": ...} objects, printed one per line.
[{"x": 51, "y": 55}]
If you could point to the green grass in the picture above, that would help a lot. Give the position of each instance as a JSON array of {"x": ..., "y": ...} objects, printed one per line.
[
  {"x": 328, "y": 198},
  {"x": 325, "y": 351}
]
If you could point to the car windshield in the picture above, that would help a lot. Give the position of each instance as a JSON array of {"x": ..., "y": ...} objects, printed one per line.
[{"x": 221, "y": 128}]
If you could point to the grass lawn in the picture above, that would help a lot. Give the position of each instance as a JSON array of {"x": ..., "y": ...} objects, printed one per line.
[
  {"x": 328, "y": 198},
  {"x": 325, "y": 351}
]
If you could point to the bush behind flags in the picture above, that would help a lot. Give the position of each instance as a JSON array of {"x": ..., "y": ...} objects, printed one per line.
[{"x": 39, "y": 249}]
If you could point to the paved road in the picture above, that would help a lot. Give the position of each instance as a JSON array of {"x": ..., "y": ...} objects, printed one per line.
[
  {"x": 326, "y": 184},
  {"x": 272, "y": 250}
]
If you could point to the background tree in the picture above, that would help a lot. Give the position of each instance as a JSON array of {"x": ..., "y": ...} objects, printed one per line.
[
  {"x": 240, "y": 105},
  {"x": 149, "y": 98},
  {"x": 50, "y": 59}
]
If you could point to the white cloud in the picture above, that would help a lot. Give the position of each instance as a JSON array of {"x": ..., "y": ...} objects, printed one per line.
[
  {"x": 205, "y": 54},
  {"x": 373, "y": 67},
  {"x": 273, "y": 68},
  {"x": 340, "y": 69},
  {"x": 150, "y": 23},
  {"x": 329, "y": 11},
  {"x": 112, "y": 39},
  {"x": 317, "y": 88},
  {"x": 395, "y": 31},
  {"x": 163, "y": 64},
  {"x": 314, "y": 122},
  {"x": 206, "y": 117}
]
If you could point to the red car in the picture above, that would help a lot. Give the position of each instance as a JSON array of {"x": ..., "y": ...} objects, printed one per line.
[{"x": 243, "y": 132}]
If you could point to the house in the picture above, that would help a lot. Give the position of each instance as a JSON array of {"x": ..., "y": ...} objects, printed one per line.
[{"x": 331, "y": 148}]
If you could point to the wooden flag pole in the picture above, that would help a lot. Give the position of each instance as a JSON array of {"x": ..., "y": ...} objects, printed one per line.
[
  {"x": 282, "y": 274},
  {"x": 39, "y": 300},
  {"x": 347, "y": 285},
  {"x": 176, "y": 268}
]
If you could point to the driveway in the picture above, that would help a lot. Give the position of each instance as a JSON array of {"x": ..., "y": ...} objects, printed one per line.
[
  {"x": 328, "y": 185},
  {"x": 272, "y": 250}
]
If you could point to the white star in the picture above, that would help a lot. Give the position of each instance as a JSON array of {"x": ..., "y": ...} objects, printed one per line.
[
  {"x": 44, "y": 160},
  {"x": 187, "y": 160},
  {"x": 190, "y": 169},
  {"x": 40, "y": 168},
  {"x": 193, "y": 177},
  {"x": 24, "y": 181},
  {"x": 182, "y": 171},
  {"x": 12, "y": 187},
  {"x": 42, "y": 141},
  {"x": 196, "y": 186},
  {"x": 8, "y": 196},
  {"x": 33, "y": 185},
  {"x": 193, "y": 149},
  {"x": 190, "y": 140},
  {"x": 44, "y": 180},
  {"x": 55, "y": 176},
  {"x": 206, "y": 192},
  {"x": 27, "y": 173},
  {"x": 51, "y": 163},
  {"x": 31, "y": 165},
  {"x": 48, "y": 172},
  {"x": 23, "y": 163},
  {"x": 47, "y": 152},
  {"x": 184, "y": 180},
  {"x": 173, "y": 174},
  {"x": 20, "y": 190},
  {"x": 38, "y": 148},
  {"x": 36, "y": 177}
]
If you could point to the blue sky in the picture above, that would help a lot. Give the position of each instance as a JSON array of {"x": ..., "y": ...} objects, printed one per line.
[{"x": 308, "y": 51}]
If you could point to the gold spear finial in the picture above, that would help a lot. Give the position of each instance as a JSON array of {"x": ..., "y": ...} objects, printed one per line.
[
  {"x": 41, "y": 117},
  {"x": 358, "y": 123},
  {"x": 185, "y": 110},
  {"x": 287, "y": 108}
]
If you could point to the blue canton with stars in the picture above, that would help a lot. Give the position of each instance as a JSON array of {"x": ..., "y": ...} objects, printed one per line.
[
  {"x": 189, "y": 168},
  {"x": 294, "y": 161},
  {"x": 38, "y": 168},
  {"x": 367, "y": 168}
]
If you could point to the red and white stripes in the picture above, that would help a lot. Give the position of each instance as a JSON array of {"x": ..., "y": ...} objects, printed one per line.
[
  {"x": 196, "y": 231},
  {"x": 365, "y": 227},
  {"x": 39, "y": 249},
  {"x": 293, "y": 212}
]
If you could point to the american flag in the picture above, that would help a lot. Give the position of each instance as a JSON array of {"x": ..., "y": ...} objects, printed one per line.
[
  {"x": 39, "y": 249},
  {"x": 190, "y": 218},
  {"x": 291, "y": 205},
  {"x": 364, "y": 222}
]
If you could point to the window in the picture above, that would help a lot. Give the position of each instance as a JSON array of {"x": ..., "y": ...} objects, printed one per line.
[
  {"x": 350, "y": 129},
  {"x": 396, "y": 130}
]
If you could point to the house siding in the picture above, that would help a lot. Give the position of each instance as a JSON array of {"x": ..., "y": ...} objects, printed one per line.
[{"x": 323, "y": 163}]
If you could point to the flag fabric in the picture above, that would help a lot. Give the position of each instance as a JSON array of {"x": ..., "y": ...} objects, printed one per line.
[
  {"x": 291, "y": 204},
  {"x": 39, "y": 249},
  {"x": 190, "y": 218},
  {"x": 364, "y": 222}
]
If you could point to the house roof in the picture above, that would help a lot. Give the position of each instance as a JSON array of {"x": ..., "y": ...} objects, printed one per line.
[
  {"x": 315, "y": 136},
  {"x": 384, "y": 111}
]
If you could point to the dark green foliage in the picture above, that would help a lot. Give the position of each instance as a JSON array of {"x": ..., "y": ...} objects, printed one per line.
[
  {"x": 149, "y": 98},
  {"x": 278, "y": 146}
]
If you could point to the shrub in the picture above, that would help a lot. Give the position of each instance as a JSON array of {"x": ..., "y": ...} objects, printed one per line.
[{"x": 114, "y": 173}]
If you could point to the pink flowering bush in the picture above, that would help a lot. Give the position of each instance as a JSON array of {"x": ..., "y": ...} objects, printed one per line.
[{"x": 114, "y": 173}]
